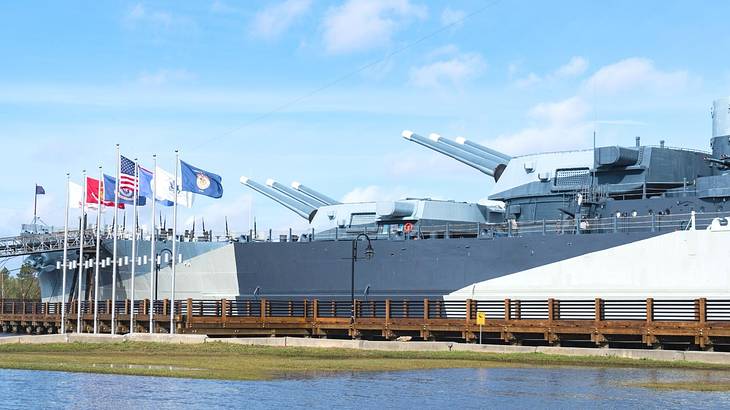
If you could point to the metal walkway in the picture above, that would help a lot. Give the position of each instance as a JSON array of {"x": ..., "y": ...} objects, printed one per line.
[{"x": 32, "y": 243}]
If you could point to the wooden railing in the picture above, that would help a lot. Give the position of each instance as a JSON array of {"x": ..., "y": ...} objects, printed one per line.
[{"x": 699, "y": 322}]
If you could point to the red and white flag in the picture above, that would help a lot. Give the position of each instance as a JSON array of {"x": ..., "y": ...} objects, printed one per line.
[{"x": 92, "y": 194}]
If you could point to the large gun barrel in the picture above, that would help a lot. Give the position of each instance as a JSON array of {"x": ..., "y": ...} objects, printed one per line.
[
  {"x": 305, "y": 211},
  {"x": 461, "y": 156},
  {"x": 314, "y": 194},
  {"x": 296, "y": 195},
  {"x": 498, "y": 156},
  {"x": 489, "y": 161}
]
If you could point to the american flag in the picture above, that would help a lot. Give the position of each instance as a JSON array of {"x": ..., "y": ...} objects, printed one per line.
[{"x": 128, "y": 181}]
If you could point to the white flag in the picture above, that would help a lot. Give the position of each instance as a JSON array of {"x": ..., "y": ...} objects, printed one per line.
[
  {"x": 75, "y": 195},
  {"x": 164, "y": 183}
]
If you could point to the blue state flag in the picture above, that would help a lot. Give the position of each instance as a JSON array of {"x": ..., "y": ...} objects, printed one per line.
[
  {"x": 201, "y": 182},
  {"x": 145, "y": 183},
  {"x": 110, "y": 185}
]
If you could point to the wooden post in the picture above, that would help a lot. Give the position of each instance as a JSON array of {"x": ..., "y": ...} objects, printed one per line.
[
  {"x": 552, "y": 305},
  {"x": 304, "y": 308},
  {"x": 387, "y": 310},
  {"x": 166, "y": 307},
  {"x": 701, "y": 315},
  {"x": 357, "y": 309},
  {"x": 701, "y": 310},
  {"x": 598, "y": 309},
  {"x": 224, "y": 311},
  {"x": 468, "y": 310},
  {"x": 649, "y": 310},
  {"x": 315, "y": 309},
  {"x": 425, "y": 308},
  {"x": 507, "y": 309},
  {"x": 263, "y": 310},
  {"x": 518, "y": 310},
  {"x": 649, "y": 338},
  {"x": 189, "y": 313}
]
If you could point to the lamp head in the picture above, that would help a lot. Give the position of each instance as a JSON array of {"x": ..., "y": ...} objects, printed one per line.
[{"x": 369, "y": 252}]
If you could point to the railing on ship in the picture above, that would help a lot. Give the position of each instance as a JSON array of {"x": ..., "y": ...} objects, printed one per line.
[
  {"x": 619, "y": 223},
  {"x": 628, "y": 223}
]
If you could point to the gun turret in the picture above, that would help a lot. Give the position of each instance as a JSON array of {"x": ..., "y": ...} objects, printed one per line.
[
  {"x": 296, "y": 195},
  {"x": 488, "y": 152},
  {"x": 314, "y": 194},
  {"x": 305, "y": 211},
  {"x": 492, "y": 165}
]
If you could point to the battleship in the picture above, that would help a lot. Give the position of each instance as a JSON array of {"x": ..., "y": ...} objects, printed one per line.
[{"x": 613, "y": 221}]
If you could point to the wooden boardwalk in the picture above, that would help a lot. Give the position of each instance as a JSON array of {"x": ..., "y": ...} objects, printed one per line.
[{"x": 699, "y": 323}]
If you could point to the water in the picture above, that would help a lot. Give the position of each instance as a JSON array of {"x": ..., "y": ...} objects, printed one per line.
[{"x": 562, "y": 387}]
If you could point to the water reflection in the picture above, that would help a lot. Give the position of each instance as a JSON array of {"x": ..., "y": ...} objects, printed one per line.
[{"x": 455, "y": 388}]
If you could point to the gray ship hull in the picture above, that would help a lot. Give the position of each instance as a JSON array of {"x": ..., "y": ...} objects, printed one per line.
[{"x": 281, "y": 270}]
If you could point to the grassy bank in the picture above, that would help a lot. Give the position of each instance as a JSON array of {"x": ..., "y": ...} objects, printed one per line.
[{"x": 238, "y": 362}]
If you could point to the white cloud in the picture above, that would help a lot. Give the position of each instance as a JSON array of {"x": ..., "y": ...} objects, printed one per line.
[
  {"x": 452, "y": 17},
  {"x": 576, "y": 66},
  {"x": 219, "y": 6},
  {"x": 373, "y": 193},
  {"x": 274, "y": 20},
  {"x": 164, "y": 76},
  {"x": 530, "y": 79},
  {"x": 140, "y": 14},
  {"x": 453, "y": 71},
  {"x": 635, "y": 74},
  {"x": 365, "y": 24},
  {"x": 566, "y": 111},
  {"x": 573, "y": 68},
  {"x": 557, "y": 125}
]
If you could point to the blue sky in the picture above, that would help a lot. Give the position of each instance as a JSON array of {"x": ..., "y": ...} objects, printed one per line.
[{"x": 278, "y": 90}]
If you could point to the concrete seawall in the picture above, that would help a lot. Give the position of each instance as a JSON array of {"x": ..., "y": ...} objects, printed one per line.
[{"x": 659, "y": 355}]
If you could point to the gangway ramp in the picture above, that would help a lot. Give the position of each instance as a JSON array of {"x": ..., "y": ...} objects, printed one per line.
[{"x": 33, "y": 243}]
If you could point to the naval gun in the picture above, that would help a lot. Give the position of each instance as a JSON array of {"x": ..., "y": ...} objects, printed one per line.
[
  {"x": 314, "y": 194},
  {"x": 305, "y": 211},
  {"x": 483, "y": 159},
  {"x": 295, "y": 195}
]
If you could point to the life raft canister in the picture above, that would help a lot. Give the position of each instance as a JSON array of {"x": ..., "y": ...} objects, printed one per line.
[{"x": 408, "y": 227}]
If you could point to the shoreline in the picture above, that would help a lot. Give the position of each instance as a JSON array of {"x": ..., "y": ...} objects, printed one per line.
[{"x": 249, "y": 359}]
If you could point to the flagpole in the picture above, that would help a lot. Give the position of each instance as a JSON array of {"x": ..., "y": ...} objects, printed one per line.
[
  {"x": 153, "y": 241},
  {"x": 65, "y": 257},
  {"x": 134, "y": 242},
  {"x": 99, "y": 195},
  {"x": 114, "y": 248},
  {"x": 81, "y": 253},
  {"x": 35, "y": 208},
  {"x": 174, "y": 245}
]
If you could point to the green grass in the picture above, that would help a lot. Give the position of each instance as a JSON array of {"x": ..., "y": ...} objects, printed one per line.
[{"x": 239, "y": 362}]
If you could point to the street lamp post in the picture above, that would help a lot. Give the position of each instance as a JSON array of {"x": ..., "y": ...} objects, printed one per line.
[
  {"x": 369, "y": 252},
  {"x": 158, "y": 265}
]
